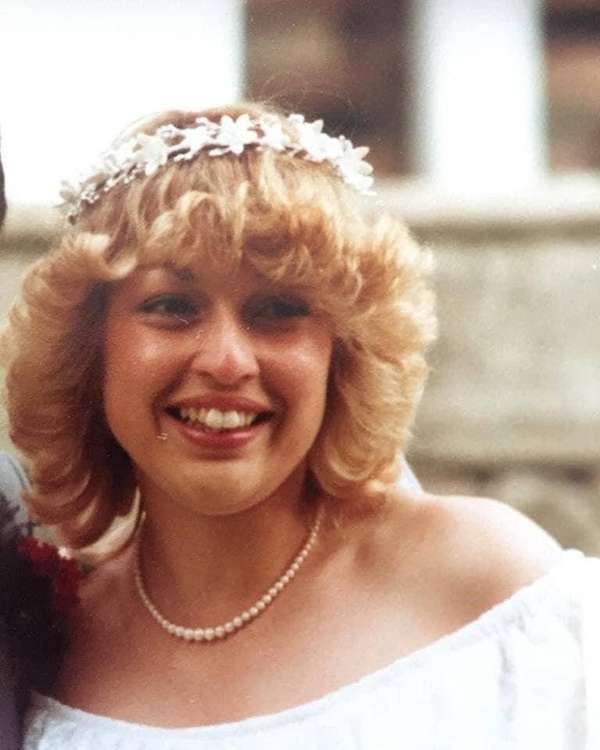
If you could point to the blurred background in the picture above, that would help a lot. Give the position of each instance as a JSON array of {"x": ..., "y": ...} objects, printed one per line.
[{"x": 484, "y": 124}]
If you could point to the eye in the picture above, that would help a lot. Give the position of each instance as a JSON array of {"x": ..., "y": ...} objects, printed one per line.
[
  {"x": 171, "y": 308},
  {"x": 278, "y": 309}
]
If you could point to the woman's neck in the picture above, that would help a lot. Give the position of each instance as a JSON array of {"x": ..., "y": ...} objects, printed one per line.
[{"x": 203, "y": 570}]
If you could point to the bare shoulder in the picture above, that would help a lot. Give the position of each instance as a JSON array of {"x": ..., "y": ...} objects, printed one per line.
[
  {"x": 456, "y": 557},
  {"x": 504, "y": 533},
  {"x": 486, "y": 546},
  {"x": 435, "y": 564}
]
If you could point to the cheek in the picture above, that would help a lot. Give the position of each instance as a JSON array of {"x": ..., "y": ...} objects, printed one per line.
[
  {"x": 121, "y": 360},
  {"x": 131, "y": 354},
  {"x": 135, "y": 371},
  {"x": 305, "y": 370}
]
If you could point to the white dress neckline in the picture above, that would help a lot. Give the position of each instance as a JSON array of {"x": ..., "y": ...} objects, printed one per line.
[{"x": 531, "y": 601}]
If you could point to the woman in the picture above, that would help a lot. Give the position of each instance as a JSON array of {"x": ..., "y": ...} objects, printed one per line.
[{"x": 212, "y": 377}]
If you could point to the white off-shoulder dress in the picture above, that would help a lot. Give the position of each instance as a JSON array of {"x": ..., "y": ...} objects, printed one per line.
[{"x": 526, "y": 675}]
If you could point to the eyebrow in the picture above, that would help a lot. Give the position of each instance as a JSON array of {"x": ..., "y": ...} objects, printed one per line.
[{"x": 181, "y": 273}]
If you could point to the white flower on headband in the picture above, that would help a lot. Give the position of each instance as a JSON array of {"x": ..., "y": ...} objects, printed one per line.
[
  {"x": 116, "y": 160},
  {"x": 354, "y": 169},
  {"x": 145, "y": 153},
  {"x": 192, "y": 140},
  {"x": 234, "y": 135},
  {"x": 311, "y": 138},
  {"x": 274, "y": 137},
  {"x": 152, "y": 153}
]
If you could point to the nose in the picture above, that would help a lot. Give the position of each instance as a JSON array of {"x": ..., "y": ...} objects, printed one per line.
[{"x": 224, "y": 350}]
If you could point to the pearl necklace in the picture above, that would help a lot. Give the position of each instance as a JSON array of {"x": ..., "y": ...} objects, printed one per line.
[{"x": 235, "y": 624}]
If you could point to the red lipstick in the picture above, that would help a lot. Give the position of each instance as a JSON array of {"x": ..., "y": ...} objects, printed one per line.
[{"x": 219, "y": 439}]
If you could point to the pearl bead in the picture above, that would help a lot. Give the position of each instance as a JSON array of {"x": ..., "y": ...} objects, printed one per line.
[{"x": 221, "y": 631}]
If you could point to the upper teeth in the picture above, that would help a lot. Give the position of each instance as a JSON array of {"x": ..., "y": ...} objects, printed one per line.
[{"x": 218, "y": 420}]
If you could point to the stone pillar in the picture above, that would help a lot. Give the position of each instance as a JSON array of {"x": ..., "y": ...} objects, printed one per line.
[
  {"x": 479, "y": 93},
  {"x": 74, "y": 74}
]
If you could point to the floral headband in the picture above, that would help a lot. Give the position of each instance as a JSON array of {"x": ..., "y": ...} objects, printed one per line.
[{"x": 144, "y": 153}]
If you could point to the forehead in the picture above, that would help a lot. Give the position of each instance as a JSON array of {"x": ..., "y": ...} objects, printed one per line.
[{"x": 207, "y": 279}]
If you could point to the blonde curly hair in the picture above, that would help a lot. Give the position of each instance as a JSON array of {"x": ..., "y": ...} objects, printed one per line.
[{"x": 290, "y": 220}]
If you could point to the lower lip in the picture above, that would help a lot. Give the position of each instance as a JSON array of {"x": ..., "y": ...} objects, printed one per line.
[{"x": 224, "y": 440}]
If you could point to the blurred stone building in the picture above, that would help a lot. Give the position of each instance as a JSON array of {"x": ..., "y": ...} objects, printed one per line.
[{"x": 485, "y": 132}]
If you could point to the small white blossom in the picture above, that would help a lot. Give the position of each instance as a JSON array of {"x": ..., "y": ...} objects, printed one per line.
[
  {"x": 192, "y": 141},
  {"x": 152, "y": 153},
  {"x": 120, "y": 158},
  {"x": 332, "y": 148},
  {"x": 354, "y": 170},
  {"x": 234, "y": 135},
  {"x": 273, "y": 135},
  {"x": 312, "y": 140}
]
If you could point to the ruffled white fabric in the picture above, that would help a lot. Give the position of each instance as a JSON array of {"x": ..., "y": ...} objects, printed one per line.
[{"x": 526, "y": 675}]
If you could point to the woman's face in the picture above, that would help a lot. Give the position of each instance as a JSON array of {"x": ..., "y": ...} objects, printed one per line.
[{"x": 215, "y": 385}]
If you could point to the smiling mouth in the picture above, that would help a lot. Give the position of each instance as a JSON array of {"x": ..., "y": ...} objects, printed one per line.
[{"x": 215, "y": 420}]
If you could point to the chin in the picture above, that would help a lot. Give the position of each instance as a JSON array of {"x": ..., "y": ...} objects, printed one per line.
[{"x": 216, "y": 493}]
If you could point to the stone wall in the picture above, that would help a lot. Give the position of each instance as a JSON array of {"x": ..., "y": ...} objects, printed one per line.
[{"x": 512, "y": 408}]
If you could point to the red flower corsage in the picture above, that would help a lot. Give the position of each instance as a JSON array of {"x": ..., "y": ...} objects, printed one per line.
[{"x": 63, "y": 573}]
